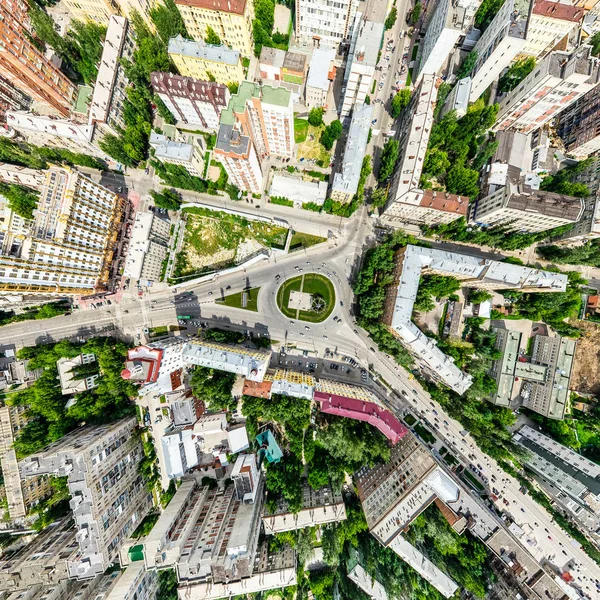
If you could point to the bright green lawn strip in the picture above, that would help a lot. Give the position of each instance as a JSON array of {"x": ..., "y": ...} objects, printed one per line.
[
  {"x": 235, "y": 300},
  {"x": 300, "y": 130},
  {"x": 305, "y": 240},
  {"x": 473, "y": 479},
  {"x": 313, "y": 284}
]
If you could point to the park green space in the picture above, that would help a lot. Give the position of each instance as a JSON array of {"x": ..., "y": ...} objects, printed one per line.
[
  {"x": 235, "y": 300},
  {"x": 311, "y": 283}
]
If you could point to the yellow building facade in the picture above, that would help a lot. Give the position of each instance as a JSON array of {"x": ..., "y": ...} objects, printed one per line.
[
  {"x": 100, "y": 11},
  {"x": 231, "y": 20},
  {"x": 205, "y": 61}
]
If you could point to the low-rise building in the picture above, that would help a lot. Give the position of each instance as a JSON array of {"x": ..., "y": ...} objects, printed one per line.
[
  {"x": 279, "y": 65},
  {"x": 108, "y": 495},
  {"x": 298, "y": 191},
  {"x": 206, "y": 61},
  {"x": 192, "y": 102},
  {"x": 520, "y": 208},
  {"x": 319, "y": 507},
  {"x": 472, "y": 271},
  {"x": 320, "y": 75},
  {"x": 179, "y": 450},
  {"x": 148, "y": 247},
  {"x": 71, "y": 383},
  {"x": 345, "y": 182},
  {"x": 360, "y": 68},
  {"x": 458, "y": 98},
  {"x": 190, "y": 156}
]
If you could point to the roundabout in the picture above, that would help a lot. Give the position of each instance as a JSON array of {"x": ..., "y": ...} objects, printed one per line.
[{"x": 309, "y": 297}]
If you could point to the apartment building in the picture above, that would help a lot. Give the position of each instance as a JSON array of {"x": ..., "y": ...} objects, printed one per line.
[
  {"x": 25, "y": 67},
  {"x": 322, "y": 24},
  {"x": 578, "y": 125},
  {"x": 520, "y": 208},
  {"x": 148, "y": 247},
  {"x": 12, "y": 98},
  {"x": 537, "y": 378},
  {"x": 21, "y": 495},
  {"x": 553, "y": 25},
  {"x": 206, "y": 62},
  {"x": 72, "y": 384},
  {"x": 135, "y": 583},
  {"x": 503, "y": 40},
  {"x": 448, "y": 22},
  {"x": 393, "y": 494},
  {"x": 192, "y": 102},
  {"x": 413, "y": 261},
  {"x": 109, "y": 497},
  {"x": 189, "y": 155},
  {"x": 101, "y": 11},
  {"x": 360, "y": 68},
  {"x": 231, "y": 20},
  {"x": 345, "y": 181},
  {"x": 571, "y": 480},
  {"x": 319, "y": 507},
  {"x": 71, "y": 242},
  {"x": 320, "y": 76},
  {"x": 558, "y": 81}
]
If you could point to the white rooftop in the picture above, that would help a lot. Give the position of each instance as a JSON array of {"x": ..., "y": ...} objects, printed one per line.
[
  {"x": 298, "y": 190},
  {"x": 318, "y": 71},
  {"x": 138, "y": 246},
  {"x": 179, "y": 449},
  {"x": 109, "y": 66},
  {"x": 50, "y": 126},
  {"x": 179, "y": 45},
  {"x": 166, "y": 149},
  {"x": 462, "y": 266},
  {"x": 368, "y": 43}
]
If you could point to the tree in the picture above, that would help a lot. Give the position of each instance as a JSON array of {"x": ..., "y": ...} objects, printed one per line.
[
  {"x": 516, "y": 73},
  {"x": 22, "y": 200},
  {"x": 463, "y": 181},
  {"x": 212, "y": 37},
  {"x": 379, "y": 197},
  {"x": 436, "y": 162},
  {"x": 565, "y": 180},
  {"x": 213, "y": 387},
  {"x": 467, "y": 65},
  {"x": 486, "y": 12},
  {"x": 594, "y": 42},
  {"x": 389, "y": 156},
  {"x": 391, "y": 18},
  {"x": 233, "y": 87},
  {"x": 315, "y": 116},
  {"x": 400, "y": 101},
  {"x": 168, "y": 199},
  {"x": 415, "y": 13},
  {"x": 477, "y": 296},
  {"x": 163, "y": 111},
  {"x": 264, "y": 11},
  {"x": 330, "y": 134}
]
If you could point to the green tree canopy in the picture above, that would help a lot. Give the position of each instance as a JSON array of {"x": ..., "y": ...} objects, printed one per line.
[
  {"x": 416, "y": 13},
  {"x": 391, "y": 18},
  {"x": 315, "y": 116},
  {"x": 169, "y": 199},
  {"x": 22, "y": 200},
  {"x": 467, "y": 65},
  {"x": 212, "y": 37},
  {"x": 213, "y": 387},
  {"x": 387, "y": 161},
  {"x": 330, "y": 134},
  {"x": 400, "y": 101},
  {"x": 516, "y": 73}
]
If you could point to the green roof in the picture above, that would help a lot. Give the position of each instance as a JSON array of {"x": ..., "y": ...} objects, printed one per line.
[
  {"x": 269, "y": 446},
  {"x": 278, "y": 96},
  {"x": 136, "y": 553},
  {"x": 237, "y": 102},
  {"x": 170, "y": 131},
  {"x": 83, "y": 97}
]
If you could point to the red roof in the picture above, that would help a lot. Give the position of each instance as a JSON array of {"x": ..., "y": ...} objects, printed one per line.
[
  {"x": 445, "y": 202},
  {"x": 257, "y": 389},
  {"x": 228, "y": 6},
  {"x": 361, "y": 410},
  {"x": 557, "y": 10}
]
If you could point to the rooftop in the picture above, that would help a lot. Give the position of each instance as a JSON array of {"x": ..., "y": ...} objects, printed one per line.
[
  {"x": 445, "y": 202},
  {"x": 278, "y": 96},
  {"x": 294, "y": 61},
  {"x": 550, "y": 204},
  {"x": 298, "y": 190},
  {"x": 558, "y": 10},
  {"x": 318, "y": 72},
  {"x": 354, "y": 152},
  {"x": 49, "y": 125},
  {"x": 83, "y": 98},
  {"x": 272, "y": 56},
  {"x": 229, "y": 139},
  {"x": 166, "y": 149},
  {"x": 227, "y": 6},
  {"x": 187, "y": 87},
  {"x": 204, "y": 51},
  {"x": 368, "y": 43}
]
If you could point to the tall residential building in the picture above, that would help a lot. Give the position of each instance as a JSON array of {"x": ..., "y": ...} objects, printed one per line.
[
  {"x": 323, "y": 24},
  {"x": 449, "y": 21},
  {"x": 520, "y": 208},
  {"x": 407, "y": 202},
  {"x": 231, "y": 20},
  {"x": 101, "y": 11},
  {"x": 499, "y": 44},
  {"x": 345, "y": 182},
  {"x": 362, "y": 61},
  {"x": 25, "y": 67},
  {"x": 205, "y": 61},
  {"x": 192, "y": 102},
  {"x": 554, "y": 84},
  {"x": 71, "y": 242},
  {"x": 552, "y": 24},
  {"x": 11, "y": 98},
  {"x": 579, "y": 126},
  {"x": 108, "y": 496}
]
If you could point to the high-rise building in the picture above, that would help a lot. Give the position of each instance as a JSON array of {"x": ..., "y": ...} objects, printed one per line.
[
  {"x": 71, "y": 242},
  {"x": 448, "y": 22},
  {"x": 25, "y": 67},
  {"x": 192, "y": 102},
  {"x": 323, "y": 24},
  {"x": 206, "y": 62},
  {"x": 503, "y": 39},
  {"x": 108, "y": 496},
  {"x": 520, "y": 208},
  {"x": 231, "y": 20},
  {"x": 345, "y": 182},
  {"x": 558, "y": 81},
  {"x": 360, "y": 68}
]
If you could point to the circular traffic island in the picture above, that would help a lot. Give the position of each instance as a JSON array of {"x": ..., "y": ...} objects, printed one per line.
[{"x": 309, "y": 297}]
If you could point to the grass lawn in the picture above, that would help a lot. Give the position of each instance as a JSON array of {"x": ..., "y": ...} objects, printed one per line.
[
  {"x": 305, "y": 240},
  {"x": 409, "y": 420},
  {"x": 311, "y": 283},
  {"x": 424, "y": 433},
  {"x": 235, "y": 300},
  {"x": 158, "y": 330},
  {"x": 311, "y": 147},
  {"x": 300, "y": 130}
]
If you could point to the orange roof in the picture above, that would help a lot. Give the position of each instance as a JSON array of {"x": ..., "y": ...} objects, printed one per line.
[
  {"x": 229, "y": 6},
  {"x": 557, "y": 10},
  {"x": 257, "y": 389},
  {"x": 446, "y": 202}
]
